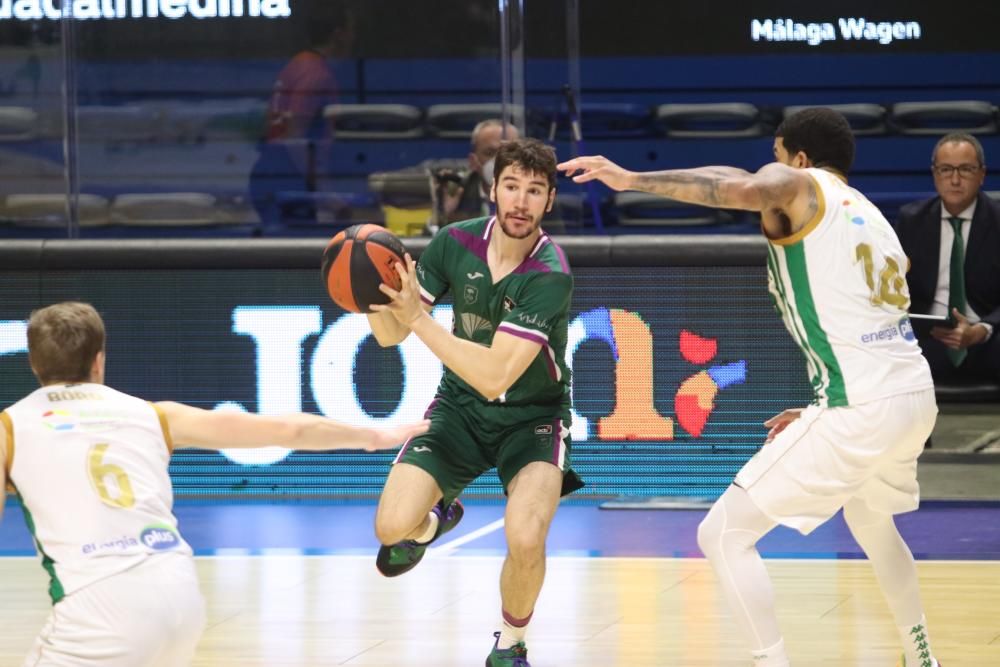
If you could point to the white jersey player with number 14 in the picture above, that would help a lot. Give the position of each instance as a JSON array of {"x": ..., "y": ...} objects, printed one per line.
[{"x": 837, "y": 275}]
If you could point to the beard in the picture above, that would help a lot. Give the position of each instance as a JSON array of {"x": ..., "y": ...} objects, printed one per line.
[{"x": 523, "y": 233}]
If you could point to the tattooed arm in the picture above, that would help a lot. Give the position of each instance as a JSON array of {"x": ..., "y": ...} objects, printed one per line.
[{"x": 785, "y": 197}]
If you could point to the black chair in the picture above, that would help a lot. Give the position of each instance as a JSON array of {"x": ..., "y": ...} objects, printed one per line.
[
  {"x": 711, "y": 120},
  {"x": 456, "y": 121},
  {"x": 924, "y": 118},
  {"x": 865, "y": 119},
  {"x": 979, "y": 392},
  {"x": 375, "y": 121},
  {"x": 638, "y": 209}
]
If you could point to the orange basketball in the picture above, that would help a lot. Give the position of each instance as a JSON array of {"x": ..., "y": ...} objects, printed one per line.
[{"x": 357, "y": 261}]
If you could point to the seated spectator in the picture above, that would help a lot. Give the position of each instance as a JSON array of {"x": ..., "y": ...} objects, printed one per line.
[
  {"x": 460, "y": 194},
  {"x": 953, "y": 243}
]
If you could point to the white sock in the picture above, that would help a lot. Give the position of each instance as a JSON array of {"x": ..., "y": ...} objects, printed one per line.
[
  {"x": 773, "y": 656},
  {"x": 916, "y": 645},
  {"x": 512, "y": 630},
  {"x": 431, "y": 531}
]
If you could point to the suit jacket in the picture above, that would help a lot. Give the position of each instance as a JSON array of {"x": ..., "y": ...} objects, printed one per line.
[{"x": 919, "y": 229}]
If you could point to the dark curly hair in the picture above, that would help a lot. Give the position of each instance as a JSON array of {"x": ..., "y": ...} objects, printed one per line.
[
  {"x": 824, "y": 135},
  {"x": 530, "y": 155}
]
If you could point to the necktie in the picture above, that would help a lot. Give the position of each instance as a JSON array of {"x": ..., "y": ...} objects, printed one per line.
[{"x": 956, "y": 282}]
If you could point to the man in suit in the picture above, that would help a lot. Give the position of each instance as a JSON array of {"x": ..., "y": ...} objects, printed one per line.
[{"x": 953, "y": 244}]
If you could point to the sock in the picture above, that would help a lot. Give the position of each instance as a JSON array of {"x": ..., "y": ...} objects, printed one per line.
[
  {"x": 774, "y": 656},
  {"x": 512, "y": 630},
  {"x": 431, "y": 531},
  {"x": 916, "y": 645}
]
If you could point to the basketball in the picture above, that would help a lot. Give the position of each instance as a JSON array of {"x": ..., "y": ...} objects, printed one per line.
[{"x": 356, "y": 261}]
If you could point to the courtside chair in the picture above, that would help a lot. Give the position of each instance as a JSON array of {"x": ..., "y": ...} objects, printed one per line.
[
  {"x": 18, "y": 124},
  {"x": 456, "y": 121},
  {"x": 865, "y": 119},
  {"x": 710, "y": 120},
  {"x": 638, "y": 209},
  {"x": 938, "y": 118},
  {"x": 375, "y": 121},
  {"x": 49, "y": 210}
]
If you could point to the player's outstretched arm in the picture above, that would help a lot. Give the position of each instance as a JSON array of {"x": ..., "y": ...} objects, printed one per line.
[
  {"x": 208, "y": 429},
  {"x": 774, "y": 187}
]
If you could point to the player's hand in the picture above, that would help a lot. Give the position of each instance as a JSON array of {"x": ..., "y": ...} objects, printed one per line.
[
  {"x": 962, "y": 336},
  {"x": 779, "y": 423},
  {"x": 390, "y": 438},
  {"x": 598, "y": 168},
  {"x": 405, "y": 305}
]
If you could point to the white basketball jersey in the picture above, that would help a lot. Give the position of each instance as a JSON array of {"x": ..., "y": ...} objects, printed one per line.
[
  {"x": 840, "y": 287},
  {"x": 90, "y": 467}
]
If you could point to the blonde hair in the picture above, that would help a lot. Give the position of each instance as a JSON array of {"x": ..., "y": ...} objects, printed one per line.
[{"x": 63, "y": 341}]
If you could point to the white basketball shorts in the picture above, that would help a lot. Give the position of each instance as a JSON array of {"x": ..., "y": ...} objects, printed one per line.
[
  {"x": 151, "y": 615},
  {"x": 831, "y": 455}
]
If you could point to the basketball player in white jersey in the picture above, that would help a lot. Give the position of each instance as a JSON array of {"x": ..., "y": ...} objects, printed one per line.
[
  {"x": 90, "y": 466},
  {"x": 836, "y": 271}
]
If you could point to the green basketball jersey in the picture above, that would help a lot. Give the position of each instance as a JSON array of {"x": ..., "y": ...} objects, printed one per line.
[{"x": 531, "y": 302}]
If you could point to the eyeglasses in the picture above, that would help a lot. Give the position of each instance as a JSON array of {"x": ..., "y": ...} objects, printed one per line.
[{"x": 948, "y": 170}]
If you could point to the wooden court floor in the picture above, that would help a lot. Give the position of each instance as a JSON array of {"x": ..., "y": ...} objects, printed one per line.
[{"x": 285, "y": 611}]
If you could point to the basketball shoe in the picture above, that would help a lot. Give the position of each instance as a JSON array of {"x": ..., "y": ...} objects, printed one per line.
[
  {"x": 400, "y": 558},
  {"x": 925, "y": 662},
  {"x": 515, "y": 656}
]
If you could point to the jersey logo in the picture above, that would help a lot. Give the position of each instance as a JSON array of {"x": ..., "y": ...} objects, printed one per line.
[
  {"x": 534, "y": 320},
  {"x": 159, "y": 537},
  {"x": 59, "y": 420},
  {"x": 508, "y": 304},
  {"x": 421, "y": 448},
  {"x": 471, "y": 324},
  {"x": 473, "y": 276},
  {"x": 471, "y": 294},
  {"x": 544, "y": 429}
]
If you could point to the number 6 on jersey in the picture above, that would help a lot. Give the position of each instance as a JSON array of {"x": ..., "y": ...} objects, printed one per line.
[{"x": 99, "y": 471}]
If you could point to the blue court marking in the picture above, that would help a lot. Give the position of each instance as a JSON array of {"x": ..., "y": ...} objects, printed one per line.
[{"x": 938, "y": 531}]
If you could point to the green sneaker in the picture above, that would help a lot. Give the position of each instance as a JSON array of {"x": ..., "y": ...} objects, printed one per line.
[
  {"x": 515, "y": 656},
  {"x": 400, "y": 558},
  {"x": 925, "y": 659}
]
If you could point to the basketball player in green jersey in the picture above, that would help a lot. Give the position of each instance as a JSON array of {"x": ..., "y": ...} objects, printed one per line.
[
  {"x": 504, "y": 398},
  {"x": 836, "y": 271}
]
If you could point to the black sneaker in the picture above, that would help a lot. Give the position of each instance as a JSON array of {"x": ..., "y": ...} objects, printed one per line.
[{"x": 402, "y": 557}]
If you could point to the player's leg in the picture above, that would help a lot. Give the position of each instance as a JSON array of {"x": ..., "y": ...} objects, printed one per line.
[
  {"x": 420, "y": 503},
  {"x": 533, "y": 498},
  {"x": 131, "y": 619},
  {"x": 534, "y": 464},
  {"x": 800, "y": 479},
  {"x": 905, "y": 422},
  {"x": 896, "y": 572},
  {"x": 728, "y": 537},
  {"x": 405, "y": 504},
  {"x": 175, "y": 585}
]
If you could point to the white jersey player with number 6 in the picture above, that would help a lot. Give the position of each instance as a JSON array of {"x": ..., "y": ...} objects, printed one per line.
[
  {"x": 836, "y": 272},
  {"x": 89, "y": 465}
]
